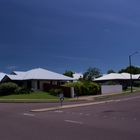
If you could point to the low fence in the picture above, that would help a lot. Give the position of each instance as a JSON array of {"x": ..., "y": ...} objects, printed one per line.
[{"x": 111, "y": 89}]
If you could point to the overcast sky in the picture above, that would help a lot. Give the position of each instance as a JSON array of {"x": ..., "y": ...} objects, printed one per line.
[{"x": 69, "y": 34}]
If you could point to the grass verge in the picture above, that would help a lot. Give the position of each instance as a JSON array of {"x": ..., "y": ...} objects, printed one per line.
[{"x": 32, "y": 97}]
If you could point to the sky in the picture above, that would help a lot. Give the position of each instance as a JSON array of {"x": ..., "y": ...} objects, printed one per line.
[{"x": 72, "y": 35}]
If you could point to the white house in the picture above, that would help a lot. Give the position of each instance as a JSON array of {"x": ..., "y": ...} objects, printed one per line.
[
  {"x": 37, "y": 79},
  {"x": 117, "y": 76},
  {"x": 115, "y": 82}
]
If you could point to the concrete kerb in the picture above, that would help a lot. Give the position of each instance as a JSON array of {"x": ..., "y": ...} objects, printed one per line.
[{"x": 70, "y": 106}]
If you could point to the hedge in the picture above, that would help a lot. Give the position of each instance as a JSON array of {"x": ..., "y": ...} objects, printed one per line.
[
  {"x": 84, "y": 87},
  {"x": 8, "y": 88}
]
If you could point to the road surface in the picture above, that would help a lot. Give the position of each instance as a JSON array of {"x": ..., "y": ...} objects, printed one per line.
[{"x": 116, "y": 120}]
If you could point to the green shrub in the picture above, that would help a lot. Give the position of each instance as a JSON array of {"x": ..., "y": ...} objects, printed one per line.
[
  {"x": 78, "y": 87},
  {"x": 55, "y": 92},
  {"x": 23, "y": 90},
  {"x": 84, "y": 88},
  {"x": 92, "y": 88},
  {"x": 8, "y": 88}
]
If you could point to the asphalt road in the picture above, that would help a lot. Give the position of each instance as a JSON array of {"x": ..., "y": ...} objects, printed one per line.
[{"x": 116, "y": 120}]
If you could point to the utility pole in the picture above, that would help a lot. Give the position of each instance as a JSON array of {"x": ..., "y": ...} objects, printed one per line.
[{"x": 130, "y": 66}]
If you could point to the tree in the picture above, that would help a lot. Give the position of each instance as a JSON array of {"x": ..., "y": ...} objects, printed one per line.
[
  {"x": 133, "y": 70},
  {"x": 68, "y": 73},
  {"x": 91, "y": 73},
  {"x": 110, "y": 71}
]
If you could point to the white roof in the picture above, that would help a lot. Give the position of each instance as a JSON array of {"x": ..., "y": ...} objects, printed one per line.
[
  {"x": 2, "y": 75},
  {"x": 19, "y": 73},
  {"x": 14, "y": 77},
  {"x": 39, "y": 74},
  {"x": 116, "y": 76},
  {"x": 126, "y": 76}
]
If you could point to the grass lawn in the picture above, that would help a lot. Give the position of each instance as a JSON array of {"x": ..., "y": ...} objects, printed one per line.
[{"x": 34, "y": 95}]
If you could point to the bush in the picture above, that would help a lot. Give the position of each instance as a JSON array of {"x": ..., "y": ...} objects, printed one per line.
[
  {"x": 8, "y": 88},
  {"x": 78, "y": 87},
  {"x": 84, "y": 88},
  {"x": 55, "y": 92},
  {"x": 91, "y": 88},
  {"x": 23, "y": 90}
]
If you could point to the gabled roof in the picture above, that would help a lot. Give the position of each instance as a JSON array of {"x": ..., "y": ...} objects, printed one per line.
[
  {"x": 18, "y": 73},
  {"x": 2, "y": 75},
  {"x": 116, "y": 76},
  {"x": 38, "y": 74},
  {"x": 14, "y": 77},
  {"x": 137, "y": 76}
]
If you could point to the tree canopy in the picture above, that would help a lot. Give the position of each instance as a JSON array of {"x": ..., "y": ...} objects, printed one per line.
[
  {"x": 132, "y": 70},
  {"x": 68, "y": 73},
  {"x": 91, "y": 73}
]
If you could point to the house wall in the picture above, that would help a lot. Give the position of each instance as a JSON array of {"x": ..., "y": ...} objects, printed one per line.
[
  {"x": 42, "y": 84},
  {"x": 45, "y": 85},
  {"x": 39, "y": 84},
  {"x": 34, "y": 85}
]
